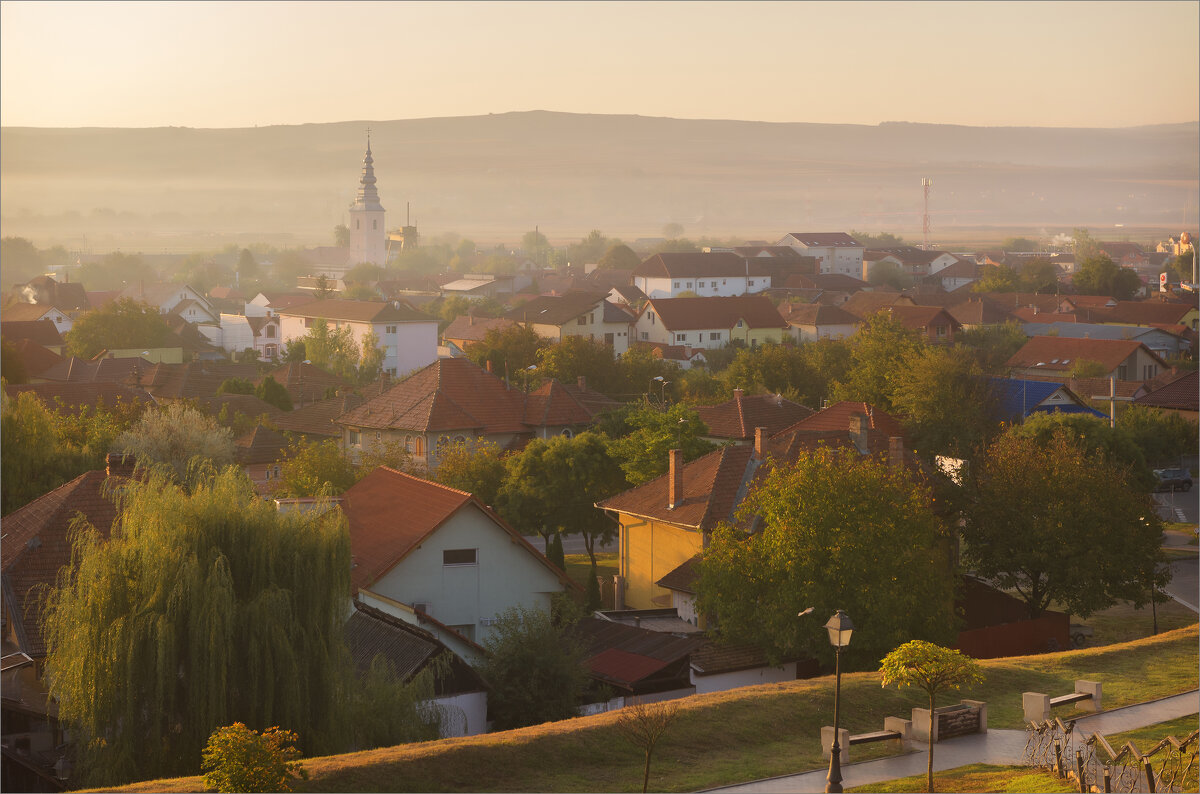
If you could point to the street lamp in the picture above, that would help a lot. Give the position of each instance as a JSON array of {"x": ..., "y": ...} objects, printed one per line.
[
  {"x": 839, "y": 628},
  {"x": 662, "y": 393}
]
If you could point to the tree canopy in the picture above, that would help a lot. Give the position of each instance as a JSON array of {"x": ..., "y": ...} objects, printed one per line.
[
  {"x": 877, "y": 353},
  {"x": 177, "y": 435},
  {"x": 205, "y": 608},
  {"x": 619, "y": 257},
  {"x": 1099, "y": 275},
  {"x": 833, "y": 531},
  {"x": 509, "y": 351},
  {"x": 946, "y": 403},
  {"x": 476, "y": 468},
  {"x": 122, "y": 324},
  {"x": 932, "y": 669},
  {"x": 1058, "y": 521},
  {"x": 652, "y": 433}
]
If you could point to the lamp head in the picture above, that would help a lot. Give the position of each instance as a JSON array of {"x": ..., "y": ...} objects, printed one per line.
[{"x": 839, "y": 628}]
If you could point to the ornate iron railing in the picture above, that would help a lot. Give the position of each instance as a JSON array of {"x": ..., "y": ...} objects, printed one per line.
[{"x": 1169, "y": 766}]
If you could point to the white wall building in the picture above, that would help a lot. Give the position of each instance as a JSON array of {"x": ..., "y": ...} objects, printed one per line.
[
  {"x": 408, "y": 338},
  {"x": 368, "y": 237},
  {"x": 719, "y": 274},
  {"x": 837, "y": 252}
]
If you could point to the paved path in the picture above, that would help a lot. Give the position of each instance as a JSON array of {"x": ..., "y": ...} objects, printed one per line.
[{"x": 994, "y": 747}]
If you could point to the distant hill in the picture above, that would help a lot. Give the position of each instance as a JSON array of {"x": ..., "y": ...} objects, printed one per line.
[{"x": 568, "y": 173}]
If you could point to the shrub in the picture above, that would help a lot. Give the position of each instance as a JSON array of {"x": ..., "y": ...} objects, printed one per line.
[{"x": 237, "y": 758}]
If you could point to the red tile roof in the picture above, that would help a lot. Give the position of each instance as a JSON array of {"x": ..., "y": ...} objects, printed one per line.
[
  {"x": 1182, "y": 394},
  {"x": 319, "y": 418},
  {"x": 1149, "y": 312},
  {"x": 737, "y": 418},
  {"x": 36, "y": 545},
  {"x": 836, "y": 418},
  {"x": 557, "y": 310},
  {"x": 43, "y": 332},
  {"x": 1061, "y": 354},
  {"x": 826, "y": 281},
  {"x": 75, "y": 396},
  {"x": 382, "y": 535},
  {"x": 260, "y": 445},
  {"x": 699, "y": 265},
  {"x": 919, "y": 318},
  {"x": 472, "y": 329},
  {"x": 552, "y": 405},
  {"x": 818, "y": 314},
  {"x": 865, "y": 304},
  {"x": 689, "y": 314},
  {"x": 35, "y": 358},
  {"x": 305, "y": 383}
]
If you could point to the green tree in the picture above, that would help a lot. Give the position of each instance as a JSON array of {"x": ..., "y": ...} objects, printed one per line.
[
  {"x": 205, "y": 607},
  {"x": 781, "y": 369},
  {"x": 1058, "y": 522},
  {"x": 1019, "y": 245},
  {"x": 124, "y": 323},
  {"x": 877, "y": 353},
  {"x": 534, "y": 666},
  {"x": 308, "y": 468},
  {"x": 577, "y": 355},
  {"x": 1000, "y": 278},
  {"x": 619, "y": 257},
  {"x": 475, "y": 468},
  {"x": 835, "y": 530},
  {"x": 672, "y": 230},
  {"x": 21, "y": 259},
  {"x": 1039, "y": 275},
  {"x": 1083, "y": 244},
  {"x": 235, "y": 386},
  {"x": 643, "y": 452},
  {"x": 889, "y": 274},
  {"x": 589, "y": 249},
  {"x": 247, "y": 266},
  {"x": 117, "y": 271},
  {"x": 880, "y": 240},
  {"x": 555, "y": 551},
  {"x": 177, "y": 436},
  {"x": 637, "y": 367},
  {"x": 332, "y": 349},
  {"x": 371, "y": 363},
  {"x": 946, "y": 402},
  {"x": 247, "y": 356},
  {"x": 993, "y": 345},
  {"x": 388, "y": 710},
  {"x": 237, "y": 758},
  {"x": 932, "y": 669},
  {"x": 509, "y": 351},
  {"x": 361, "y": 292},
  {"x": 1162, "y": 436},
  {"x": 1180, "y": 269},
  {"x": 273, "y": 392},
  {"x": 12, "y": 366},
  {"x": 341, "y": 235},
  {"x": 324, "y": 288},
  {"x": 1095, "y": 435},
  {"x": 1099, "y": 275}
]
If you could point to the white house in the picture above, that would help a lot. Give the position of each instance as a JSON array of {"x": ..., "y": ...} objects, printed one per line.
[
  {"x": 34, "y": 312},
  {"x": 437, "y": 557},
  {"x": 837, "y": 252},
  {"x": 710, "y": 323},
  {"x": 174, "y": 299},
  {"x": 587, "y": 314},
  {"x": 409, "y": 339},
  {"x": 808, "y": 322},
  {"x": 706, "y": 274},
  {"x": 239, "y": 332}
]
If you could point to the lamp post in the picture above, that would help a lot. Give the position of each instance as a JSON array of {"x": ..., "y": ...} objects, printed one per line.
[
  {"x": 662, "y": 392},
  {"x": 839, "y": 628}
]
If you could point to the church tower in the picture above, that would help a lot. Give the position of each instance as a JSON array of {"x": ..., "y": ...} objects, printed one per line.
[{"x": 368, "y": 238}]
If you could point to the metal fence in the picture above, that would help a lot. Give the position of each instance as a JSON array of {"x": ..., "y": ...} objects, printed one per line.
[{"x": 1169, "y": 766}]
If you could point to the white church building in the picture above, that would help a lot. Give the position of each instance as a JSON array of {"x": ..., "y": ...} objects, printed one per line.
[{"x": 368, "y": 236}]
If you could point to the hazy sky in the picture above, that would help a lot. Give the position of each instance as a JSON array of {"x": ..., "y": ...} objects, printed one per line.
[{"x": 238, "y": 64}]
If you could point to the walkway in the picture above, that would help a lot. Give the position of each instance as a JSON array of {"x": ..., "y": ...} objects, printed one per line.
[{"x": 994, "y": 747}]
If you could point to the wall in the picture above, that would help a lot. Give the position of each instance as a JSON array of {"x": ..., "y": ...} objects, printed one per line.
[
  {"x": 739, "y": 678},
  {"x": 649, "y": 551},
  {"x": 811, "y": 333},
  {"x": 505, "y": 575},
  {"x": 236, "y": 334},
  {"x": 472, "y": 706},
  {"x": 1017, "y": 639}
]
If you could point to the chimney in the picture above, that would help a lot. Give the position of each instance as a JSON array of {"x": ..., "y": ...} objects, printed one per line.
[
  {"x": 896, "y": 453},
  {"x": 581, "y": 382},
  {"x": 488, "y": 365},
  {"x": 737, "y": 394},
  {"x": 858, "y": 432},
  {"x": 116, "y": 465},
  {"x": 470, "y": 318},
  {"x": 675, "y": 470},
  {"x": 760, "y": 435}
]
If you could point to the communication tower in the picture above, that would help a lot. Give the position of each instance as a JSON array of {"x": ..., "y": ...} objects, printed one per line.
[{"x": 926, "y": 183}]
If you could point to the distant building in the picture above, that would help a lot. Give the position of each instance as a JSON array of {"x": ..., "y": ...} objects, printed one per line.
[
  {"x": 368, "y": 237},
  {"x": 837, "y": 252}
]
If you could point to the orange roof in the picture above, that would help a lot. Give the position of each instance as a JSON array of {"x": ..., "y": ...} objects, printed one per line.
[
  {"x": 837, "y": 418},
  {"x": 921, "y": 317},
  {"x": 1180, "y": 394},
  {"x": 738, "y": 417},
  {"x": 382, "y": 535},
  {"x": 1060, "y": 353},
  {"x": 553, "y": 405},
  {"x": 356, "y": 311},
  {"x": 686, "y": 314}
]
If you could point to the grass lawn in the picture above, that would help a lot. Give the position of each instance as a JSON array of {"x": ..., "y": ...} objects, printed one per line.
[
  {"x": 1146, "y": 738},
  {"x": 978, "y": 777},
  {"x": 1123, "y": 623},
  {"x": 579, "y": 568},
  {"x": 737, "y": 735}
]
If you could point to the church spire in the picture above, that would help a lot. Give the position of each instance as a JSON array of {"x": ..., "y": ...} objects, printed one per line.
[{"x": 368, "y": 195}]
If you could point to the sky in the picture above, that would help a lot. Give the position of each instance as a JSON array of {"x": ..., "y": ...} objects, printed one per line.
[{"x": 241, "y": 64}]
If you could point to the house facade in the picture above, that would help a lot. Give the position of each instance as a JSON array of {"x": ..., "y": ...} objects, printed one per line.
[
  {"x": 837, "y": 252},
  {"x": 1123, "y": 359},
  {"x": 808, "y": 322},
  {"x": 587, "y": 314},
  {"x": 408, "y": 338},
  {"x": 714, "y": 274},
  {"x": 444, "y": 562},
  {"x": 710, "y": 323}
]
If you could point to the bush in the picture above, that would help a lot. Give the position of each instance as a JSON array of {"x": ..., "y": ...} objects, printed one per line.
[{"x": 239, "y": 759}]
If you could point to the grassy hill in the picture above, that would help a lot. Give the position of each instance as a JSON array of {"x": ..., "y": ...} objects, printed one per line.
[
  {"x": 569, "y": 173},
  {"x": 733, "y": 736}
]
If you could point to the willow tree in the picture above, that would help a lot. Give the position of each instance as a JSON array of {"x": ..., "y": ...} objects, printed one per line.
[{"x": 203, "y": 609}]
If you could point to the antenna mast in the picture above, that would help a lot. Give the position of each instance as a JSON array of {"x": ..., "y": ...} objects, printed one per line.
[{"x": 926, "y": 183}]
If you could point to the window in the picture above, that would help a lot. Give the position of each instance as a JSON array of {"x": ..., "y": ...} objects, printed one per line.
[
  {"x": 700, "y": 284},
  {"x": 374, "y": 224},
  {"x": 1149, "y": 371},
  {"x": 355, "y": 438},
  {"x": 459, "y": 557},
  {"x": 460, "y": 439},
  {"x": 581, "y": 320},
  {"x": 676, "y": 285},
  {"x": 689, "y": 285},
  {"x": 940, "y": 330},
  {"x": 715, "y": 336},
  {"x": 419, "y": 445},
  {"x": 1121, "y": 372},
  {"x": 269, "y": 332},
  {"x": 391, "y": 370},
  {"x": 739, "y": 323},
  {"x": 378, "y": 435},
  {"x": 567, "y": 432},
  {"x": 752, "y": 282},
  {"x": 645, "y": 335},
  {"x": 308, "y": 322},
  {"x": 680, "y": 337},
  {"x": 277, "y": 472},
  {"x": 391, "y": 329},
  {"x": 722, "y": 283},
  {"x": 651, "y": 315},
  {"x": 408, "y": 443}
]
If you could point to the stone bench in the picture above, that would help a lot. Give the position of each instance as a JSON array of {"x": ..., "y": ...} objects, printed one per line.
[
  {"x": 893, "y": 728},
  {"x": 1037, "y": 705}
]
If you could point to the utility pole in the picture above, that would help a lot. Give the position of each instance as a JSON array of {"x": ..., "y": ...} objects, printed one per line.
[{"x": 926, "y": 183}]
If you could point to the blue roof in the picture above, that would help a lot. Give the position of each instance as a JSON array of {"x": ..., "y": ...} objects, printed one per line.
[{"x": 1017, "y": 399}]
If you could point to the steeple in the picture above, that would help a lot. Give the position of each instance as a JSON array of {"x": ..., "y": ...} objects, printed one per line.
[{"x": 368, "y": 196}]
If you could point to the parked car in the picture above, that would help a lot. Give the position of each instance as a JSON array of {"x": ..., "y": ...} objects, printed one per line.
[{"x": 1173, "y": 480}]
